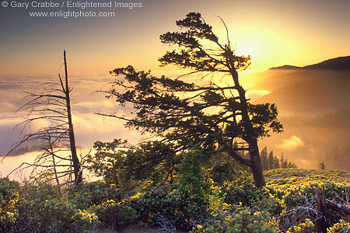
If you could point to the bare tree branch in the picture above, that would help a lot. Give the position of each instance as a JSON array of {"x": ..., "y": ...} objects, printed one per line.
[{"x": 55, "y": 108}]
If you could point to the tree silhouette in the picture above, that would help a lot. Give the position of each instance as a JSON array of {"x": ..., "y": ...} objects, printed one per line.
[
  {"x": 211, "y": 113},
  {"x": 264, "y": 161},
  {"x": 269, "y": 161},
  {"x": 54, "y": 106}
]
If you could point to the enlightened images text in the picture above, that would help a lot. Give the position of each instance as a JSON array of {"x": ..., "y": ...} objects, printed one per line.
[
  {"x": 110, "y": 4},
  {"x": 74, "y": 4}
]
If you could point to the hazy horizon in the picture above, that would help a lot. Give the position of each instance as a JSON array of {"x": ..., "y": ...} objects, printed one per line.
[{"x": 294, "y": 142}]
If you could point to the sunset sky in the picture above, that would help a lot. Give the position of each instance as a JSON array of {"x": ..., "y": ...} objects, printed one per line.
[{"x": 273, "y": 32}]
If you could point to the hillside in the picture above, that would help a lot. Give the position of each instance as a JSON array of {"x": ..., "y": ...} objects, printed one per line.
[
  {"x": 308, "y": 93},
  {"x": 314, "y": 107},
  {"x": 291, "y": 178},
  {"x": 339, "y": 63},
  {"x": 331, "y": 71},
  {"x": 285, "y": 67}
]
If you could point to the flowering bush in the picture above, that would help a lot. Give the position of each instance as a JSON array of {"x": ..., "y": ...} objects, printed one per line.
[
  {"x": 239, "y": 219},
  {"x": 63, "y": 216},
  {"x": 198, "y": 203},
  {"x": 304, "y": 227},
  {"x": 339, "y": 227},
  {"x": 8, "y": 200}
]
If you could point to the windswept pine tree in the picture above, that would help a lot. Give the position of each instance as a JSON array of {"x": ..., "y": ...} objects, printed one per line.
[{"x": 210, "y": 113}]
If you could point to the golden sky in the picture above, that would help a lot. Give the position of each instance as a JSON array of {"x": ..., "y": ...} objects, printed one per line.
[{"x": 273, "y": 32}]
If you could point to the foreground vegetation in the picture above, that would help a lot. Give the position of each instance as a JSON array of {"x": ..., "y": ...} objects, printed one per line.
[{"x": 206, "y": 202}]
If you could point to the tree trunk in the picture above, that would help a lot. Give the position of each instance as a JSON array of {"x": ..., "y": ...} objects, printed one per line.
[
  {"x": 255, "y": 160},
  {"x": 321, "y": 222},
  {"x": 256, "y": 168},
  {"x": 344, "y": 210},
  {"x": 76, "y": 163}
]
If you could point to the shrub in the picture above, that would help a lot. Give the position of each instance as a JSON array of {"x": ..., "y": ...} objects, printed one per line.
[
  {"x": 301, "y": 195},
  {"x": 216, "y": 201},
  {"x": 261, "y": 199},
  {"x": 116, "y": 215},
  {"x": 151, "y": 160},
  {"x": 8, "y": 201},
  {"x": 57, "y": 214},
  {"x": 162, "y": 205},
  {"x": 86, "y": 195},
  {"x": 241, "y": 219},
  {"x": 300, "y": 203},
  {"x": 339, "y": 227},
  {"x": 191, "y": 175},
  {"x": 54, "y": 216},
  {"x": 44, "y": 208},
  {"x": 304, "y": 227},
  {"x": 220, "y": 173}
]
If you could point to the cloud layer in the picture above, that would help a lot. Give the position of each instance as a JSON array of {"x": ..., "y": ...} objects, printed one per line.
[
  {"x": 86, "y": 101},
  {"x": 291, "y": 143}
]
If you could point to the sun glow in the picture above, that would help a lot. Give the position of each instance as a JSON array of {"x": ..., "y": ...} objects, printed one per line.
[{"x": 259, "y": 45}]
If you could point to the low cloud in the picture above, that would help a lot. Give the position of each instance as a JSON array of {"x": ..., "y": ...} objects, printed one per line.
[
  {"x": 291, "y": 143},
  {"x": 7, "y": 107},
  {"x": 254, "y": 94},
  {"x": 89, "y": 127}
]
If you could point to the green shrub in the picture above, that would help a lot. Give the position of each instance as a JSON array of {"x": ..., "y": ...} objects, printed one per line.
[
  {"x": 86, "y": 195},
  {"x": 152, "y": 160},
  {"x": 162, "y": 205},
  {"x": 58, "y": 214},
  {"x": 116, "y": 215},
  {"x": 84, "y": 220},
  {"x": 223, "y": 172},
  {"x": 191, "y": 175},
  {"x": 40, "y": 192},
  {"x": 241, "y": 219},
  {"x": 44, "y": 208},
  {"x": 261, "y": 199},
  {"x": 55, "y": 216},
  {"x": 8, "y": 201}
]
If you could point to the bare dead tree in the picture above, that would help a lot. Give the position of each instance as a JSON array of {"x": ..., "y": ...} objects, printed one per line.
[
  {"x": 319, "y": 210},
  {"x": 52, "y": 106},
  {"x": 324, "y": 208}
]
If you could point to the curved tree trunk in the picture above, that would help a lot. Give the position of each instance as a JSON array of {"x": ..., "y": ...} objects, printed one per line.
[
  {"x": 255, "y": 161},
  {"x": 256, "y": 168}
]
